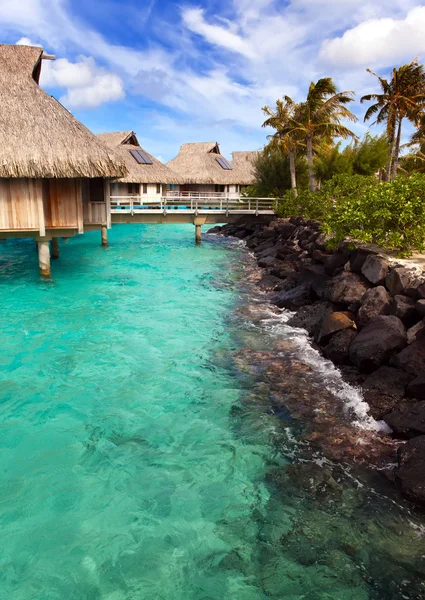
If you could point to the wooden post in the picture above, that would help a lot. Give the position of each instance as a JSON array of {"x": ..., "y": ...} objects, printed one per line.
[
  {"x": 54, "y": 247},
  {"x": 104, "y": 235},
  {"x": 44, "y": 258},
  {"x": 197, "y": 233}
]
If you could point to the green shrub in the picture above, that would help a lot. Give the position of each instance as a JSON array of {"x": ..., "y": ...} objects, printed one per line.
[{"x": 360, "y": 208}]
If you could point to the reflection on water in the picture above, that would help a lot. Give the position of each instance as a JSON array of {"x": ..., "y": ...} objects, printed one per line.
[{"x": 158, "y": 443}]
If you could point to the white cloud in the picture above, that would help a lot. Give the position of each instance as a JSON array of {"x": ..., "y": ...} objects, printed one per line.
[
  {"x": 24, "y": 41},
  {"x": 88, "y": 85},
  {"x": 103, "y": 88},
  {"x": 378, "y": 42},
  {"x": 262, "y": 50},
  {"x": 215, "y": 34}
]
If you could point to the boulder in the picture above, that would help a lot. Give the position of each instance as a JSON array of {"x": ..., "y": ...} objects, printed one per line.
[
  {"x": 267, "y": 261},
  {"x": 408, "y": 420},
  {"x": 421, "y": 291},
  {"x": 215, "y": 229},
  {"x": 420, "y": 308},
  {"x": 285, "y": 230},
  {"x": 346, "y": 288},
  {"x": 374, "y": 302},
  {"x": 332, "y": 323},
  {"x": 316, "y": 278},
  {"x": 415, "y": 331},
  {"x": 375, "y": 268},
  {"x": 337, "y": 349},
  {"x": 335, "y": 262},
  {"x": 398, "y": 280},
  {"x": 295, "y": 298},
  {"x": 384, "y": 389},
  {"x": 377, "y": 342},
  {"x": 309, "y": 317},
  {"x": 412, "y": 287},
  {"x": 410, "y": 475},
  {"x": 416, "y": 388},
  {"x": 403, "y": 307},
  {"x": 358, "y": 258},
  {"x": 412, "y": 358},
  {"x": 320, "y": 256},
  {"x": 270, "y": 283}
]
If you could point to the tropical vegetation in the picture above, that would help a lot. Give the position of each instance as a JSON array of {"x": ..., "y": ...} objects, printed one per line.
[{"x": 371, "y": 190}]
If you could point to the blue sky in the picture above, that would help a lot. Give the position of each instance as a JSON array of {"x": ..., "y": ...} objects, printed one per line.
[{"x": 178, "y": 72}]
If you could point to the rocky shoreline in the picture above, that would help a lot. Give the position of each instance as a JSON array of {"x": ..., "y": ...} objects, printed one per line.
[{"x": 366, "y": 314}]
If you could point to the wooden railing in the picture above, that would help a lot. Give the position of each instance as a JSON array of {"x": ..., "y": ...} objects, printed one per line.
[
  {"x": 94, "y": 213},
  {"x": 200, "y": 204}
]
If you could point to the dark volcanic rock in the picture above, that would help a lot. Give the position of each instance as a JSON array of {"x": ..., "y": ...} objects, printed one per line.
[
  {"x": 403, "y": 307},
  {"x": 337, "y": 349},
  {"x": 309, "y": 317},
  {"x": 407, "y": 420},
  {"x": 421, "y": 291},
  {"x": 270, "y": 283},
  {"x": 358, "y": 258},
  {"x": 415, "y": 331},
  {"x": 384, "y": 389},
  {"x": 420, "y": 307},
  {"x": 346, "y": 288},
  {"x": 412, "y": 358},
  {"x": 398, "y": 280},
  {"x": 375, "y": 268},
  {"x": 285, "y": 230},
  {"x": 332, "y": 323},
  {"x": 410, "y": 474},
  {"x": 377, "y": 342},
  {"x": 293, "y": 299},
  {"x": 416, "y": 388},
  {"x": 375, "y": 302},
  {"x": 335, "y": 262},
  {"x": 267, "y": 261}
]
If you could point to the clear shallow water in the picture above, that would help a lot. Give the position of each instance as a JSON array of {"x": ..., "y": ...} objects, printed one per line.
[{"x": 137, "y": 462}]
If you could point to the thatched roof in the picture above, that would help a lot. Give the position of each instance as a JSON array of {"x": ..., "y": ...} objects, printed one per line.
[
  {"x": 243, "y": 164},
  {"x": 197, "y": 164},
  {"x": 39, "y": 138},
  {"x": 122, "y": 142}
]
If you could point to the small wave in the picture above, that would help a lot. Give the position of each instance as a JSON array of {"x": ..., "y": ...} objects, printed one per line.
[{"x": 333, "y": 381}]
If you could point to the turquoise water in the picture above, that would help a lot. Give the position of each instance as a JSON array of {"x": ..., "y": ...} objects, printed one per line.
[{"x": 136, "y": 462}]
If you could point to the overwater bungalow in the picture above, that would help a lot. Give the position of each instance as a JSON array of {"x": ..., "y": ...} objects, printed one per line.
[
  {"x": 243, "y": 163},
  {"x": 54, "y": 173},
  {"x": 147, "y": 179},
  {"x": 207, "y": 172}
]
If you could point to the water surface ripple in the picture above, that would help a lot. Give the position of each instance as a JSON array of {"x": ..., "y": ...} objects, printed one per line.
[{"x": 141, "y": 460}]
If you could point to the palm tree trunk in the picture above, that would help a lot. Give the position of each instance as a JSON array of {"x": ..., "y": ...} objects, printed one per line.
[
  {"x": 293, "y": 172},
  {"x": 311, "y": 178},
  {"x": 396, "y": 154}
]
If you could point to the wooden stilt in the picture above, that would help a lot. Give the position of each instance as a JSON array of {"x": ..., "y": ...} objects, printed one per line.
[
  {"x": 104, "y": 235},
  {"x": 44, "y": 258},
  {"x": 54, "y": 247},
  {"x": 198, "y": 233}
]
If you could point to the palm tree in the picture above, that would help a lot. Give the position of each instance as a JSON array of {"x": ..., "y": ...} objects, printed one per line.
[
  {"x": 319, "y": 118},
  {"x": 278, "y": 119},
  {"x": 403, "y": 97}
]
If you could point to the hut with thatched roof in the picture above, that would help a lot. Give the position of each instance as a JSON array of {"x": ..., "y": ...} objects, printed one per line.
[
  {"x": 147, "y": 178},
  {"x": 205, "y": 170},
  {"x": 243, "y": 164},
  {"x": 52, "y": 169}
]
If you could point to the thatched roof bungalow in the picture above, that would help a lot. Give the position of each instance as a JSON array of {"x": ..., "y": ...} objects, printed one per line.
[
  {"x": 51, "y": 166},
  {"x": 151, "y": 170},
  {"x": 146, "y": 175},
  {"x": 205, "y": 169},
  {"x": 243, "y": 165}
]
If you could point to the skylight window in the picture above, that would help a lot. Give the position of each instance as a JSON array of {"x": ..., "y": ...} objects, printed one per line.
[
  {"x": 141, "y": 157},
  {"x": 224, "y": 164}
]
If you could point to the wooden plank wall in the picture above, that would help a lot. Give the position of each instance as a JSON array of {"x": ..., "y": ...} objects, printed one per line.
[
  {"x": 19, "y": 204},
  {"x": 60, "y": 202}
]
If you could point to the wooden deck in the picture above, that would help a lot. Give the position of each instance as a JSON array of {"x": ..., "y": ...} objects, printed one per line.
[{"x": 208, "y": 209}]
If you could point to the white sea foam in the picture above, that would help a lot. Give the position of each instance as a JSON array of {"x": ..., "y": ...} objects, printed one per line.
[{"x": 333, "y": 381}]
